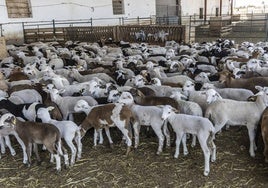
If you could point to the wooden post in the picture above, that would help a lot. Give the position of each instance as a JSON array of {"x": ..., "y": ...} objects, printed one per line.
[
  {"x": 1, "y": 30},
  {"x": 220, "y": 7},
  {"x": 232, "y": 4},
  {"x": 205, "y": 12},
  {"x": 54, "y": 29},
  {"x": 266, "y": 38},
  {"x": 23, "y": 29}
]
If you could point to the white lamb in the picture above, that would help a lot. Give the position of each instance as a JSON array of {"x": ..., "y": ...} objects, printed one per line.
[
  {"x": 194, "y": 96},
  {"x": 238, "y": 94},
  {"x": 222, "y": 112},
  {"x": 148, "y": 116},
  {"x": 68, "y": 130},
  {"x": 67, "y": 103},
  {"x": 27, "y": 59},
  {"x": 25, "y": 96},
  {"x": 202, "y": 127}
]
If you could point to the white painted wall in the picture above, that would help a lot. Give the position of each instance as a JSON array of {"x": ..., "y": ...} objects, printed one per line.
[
  {"x": 47, "y": 10},
  {"x": 191, "y": 7}
]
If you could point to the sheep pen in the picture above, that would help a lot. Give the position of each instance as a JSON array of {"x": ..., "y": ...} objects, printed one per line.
[
  {"x": 106, "y": 167},
  {"x": 103, "y": 166}
]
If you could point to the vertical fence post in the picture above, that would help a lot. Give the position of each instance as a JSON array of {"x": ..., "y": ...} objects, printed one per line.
[
  {"x": 23, "y": 30},
  {"x": 138, "y": 20},
  {"x": 190, "y": 24},
  {"x": 91, "y": 22},
  {"x": 122, "y": 20},
  {"x": 266, "y": 17},
  {"x": 54, "y": 29},
  {"x": 1, "y": 30},
  {"x": 251, "y": 20}
]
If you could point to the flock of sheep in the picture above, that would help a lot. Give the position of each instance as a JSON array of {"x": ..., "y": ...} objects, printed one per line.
[{"x": 195, "y": 88}]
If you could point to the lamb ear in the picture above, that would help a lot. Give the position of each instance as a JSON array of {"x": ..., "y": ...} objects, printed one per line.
[
  {"x": 50, "y": 108},
  {"x": 13, "y": 120},
  {"x": 61, "y": 90},
  {"x": 219, "y": 95},
  {"x": 259, "y": 88},
  {"x": 175, "y": 110}
]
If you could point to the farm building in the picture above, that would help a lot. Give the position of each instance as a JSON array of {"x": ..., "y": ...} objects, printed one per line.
[
  {"x": 103, "y": 93},
  {"x": 105, "y": 12}
]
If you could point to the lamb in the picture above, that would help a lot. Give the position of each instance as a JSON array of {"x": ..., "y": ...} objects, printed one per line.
[
  {"x": 27, "y": 59},
  {"x": 59, "y": 81},
  {"x": 246, "y": 83},
  {"x": 25, "y": 111},
  {"x": 140, "y": 99},
  {"x": 95, "y": 89},
  {"x": 203, "y": 77},
  {"x": 128, "y": 73},
  {"x": 68, "y": 130},
  {"x": 238, "y": 94},
  {"x": 212, "y": 95},
  {"x": 32, "y": 72},
  {"x": 162, "y": 90},
  {"x": 55, "y": 62},
  {"x": 69, "y": 90},
  {"x": 202, "y": 127},
  {"x": 194, "y": 96},
  {"x": 20, "y": 82},
  {"x": 66, "y": 104},
  {"x": 264, "y": 132},
  {"x": 32, "y": 133},
  {"x": 178, "y": 79},
  {"x": 148, "y": 116},
  {"x": 82, "y": 106},
  {"x": 254, "y": 65},
  {"x": 187, "y": 107},
  {"x": 113, "y": 96},
  {"x": 5, "y": 141},
  {"x": 109, "y": 115},
  {"x": 83, "y": 78},
  {"x": 25, "y": 96},
  {"x": 140, "y": 36},
  {"x": 247, "y": 113}
]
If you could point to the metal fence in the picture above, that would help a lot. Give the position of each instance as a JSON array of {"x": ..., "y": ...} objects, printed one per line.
[
  {"x": 249, "y": 27},
  {"x": 60, "y": 30},
  {"x": 84, "y": 31}
]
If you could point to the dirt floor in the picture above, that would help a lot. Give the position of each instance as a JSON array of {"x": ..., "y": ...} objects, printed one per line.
[{"x": 105, "y": 167}]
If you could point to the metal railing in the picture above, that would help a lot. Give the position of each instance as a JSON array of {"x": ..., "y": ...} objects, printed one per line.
[{"x": 251, "y": 27}]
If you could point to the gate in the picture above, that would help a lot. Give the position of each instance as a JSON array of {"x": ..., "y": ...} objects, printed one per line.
[{"x": 55, "y": 30}]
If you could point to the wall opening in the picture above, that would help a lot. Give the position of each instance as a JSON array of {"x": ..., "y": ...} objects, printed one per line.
[
  {"x": 201, "y": 13},
  {"x": 19, "y": 8},
  {"x": 118, "y": 7}
]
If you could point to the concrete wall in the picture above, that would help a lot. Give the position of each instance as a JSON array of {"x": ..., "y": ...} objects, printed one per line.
[
  {"x": 191, "y": 7},
  {"x": 166, "y": 2},
  {"x": 47, "y": 10}
]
